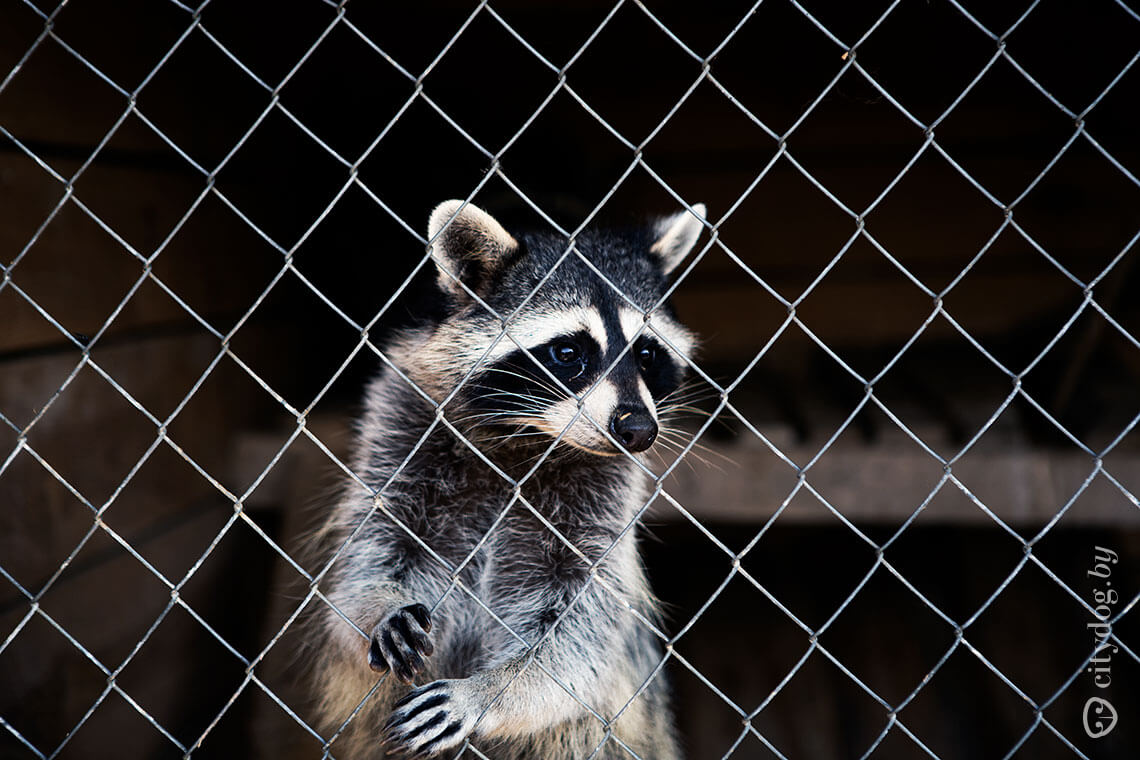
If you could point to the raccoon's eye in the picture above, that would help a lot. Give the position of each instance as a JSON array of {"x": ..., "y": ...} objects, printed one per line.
[
  {"x": 565, "y": 353},
  {"x": 646, "y": 357}
]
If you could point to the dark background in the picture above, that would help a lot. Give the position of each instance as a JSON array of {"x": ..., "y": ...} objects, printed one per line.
[{"x": 255, "y": 178}]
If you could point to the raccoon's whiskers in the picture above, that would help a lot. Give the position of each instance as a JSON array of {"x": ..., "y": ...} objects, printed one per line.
[
  {"x": 548, "y": 454},
  {"x": 665, "y": 446},
  {"x": 541, "y": 382},
  {"x": 676, "y": 412},
  {"x": 498, "y": 441},
  {"x": 680, "y": 439},
  {"x": 686, "y": 401},
  {"x": 689, "y": 392},
  {"x": 502, "y": 415},
  {"x": 687, "y": 459},
  {"x": 515, "y": 394}
]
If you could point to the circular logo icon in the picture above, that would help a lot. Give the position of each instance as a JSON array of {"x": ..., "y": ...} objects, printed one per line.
[{"x": 1099, "y": 717}]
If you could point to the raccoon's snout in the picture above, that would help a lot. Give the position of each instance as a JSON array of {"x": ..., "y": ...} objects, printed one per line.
[{"x": 634, "y": 428}]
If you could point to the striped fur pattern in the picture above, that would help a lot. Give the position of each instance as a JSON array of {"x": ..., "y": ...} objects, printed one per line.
[{"x": 474, "y": 610}]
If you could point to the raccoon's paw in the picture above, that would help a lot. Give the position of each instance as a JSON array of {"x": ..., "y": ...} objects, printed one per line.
[
  {"x": 432, "y": 718},
  {"x": 400, "y": 642}
]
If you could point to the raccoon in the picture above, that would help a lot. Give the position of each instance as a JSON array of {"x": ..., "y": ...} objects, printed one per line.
[{"x": 485, "y": 547}]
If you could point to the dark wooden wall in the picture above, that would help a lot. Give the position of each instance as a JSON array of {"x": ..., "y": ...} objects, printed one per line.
[{"x": 89, "y": 439}]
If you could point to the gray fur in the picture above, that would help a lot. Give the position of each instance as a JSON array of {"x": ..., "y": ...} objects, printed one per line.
[{"x": 480, "y": 681}]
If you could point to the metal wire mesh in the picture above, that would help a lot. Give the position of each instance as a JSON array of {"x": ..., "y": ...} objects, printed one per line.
[{"x": 894, "y": 719}]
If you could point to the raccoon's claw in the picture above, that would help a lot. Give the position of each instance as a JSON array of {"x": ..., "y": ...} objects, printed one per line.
[
  {"x": 430, "y": 719},
  {"x": 400, "y": 642}
]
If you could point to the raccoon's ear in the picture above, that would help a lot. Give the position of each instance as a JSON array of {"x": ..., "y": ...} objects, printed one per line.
[
  {"x": 471, "y": 246},
  {"x": 675, "y": 235}
]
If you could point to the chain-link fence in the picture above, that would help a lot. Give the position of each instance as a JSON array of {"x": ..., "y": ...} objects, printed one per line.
[{"x": 233, "y": 258}]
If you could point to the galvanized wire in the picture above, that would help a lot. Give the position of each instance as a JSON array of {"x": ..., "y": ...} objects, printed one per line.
[{"x": 563, "y": 73}]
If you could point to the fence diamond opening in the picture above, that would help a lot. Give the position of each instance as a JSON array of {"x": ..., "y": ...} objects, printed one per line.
[{"x": 272, "y": 101}]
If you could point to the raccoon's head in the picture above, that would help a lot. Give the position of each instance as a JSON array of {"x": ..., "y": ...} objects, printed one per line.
[{"x": 590, "y": 355}]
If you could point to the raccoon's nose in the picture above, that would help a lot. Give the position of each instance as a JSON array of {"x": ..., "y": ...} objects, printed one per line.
[{"x": 634, "y": 428}]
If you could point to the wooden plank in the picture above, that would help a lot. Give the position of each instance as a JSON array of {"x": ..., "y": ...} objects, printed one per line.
[
  {"x": 1023, "y": 485},
  {"x": 746, "y": 483}
]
